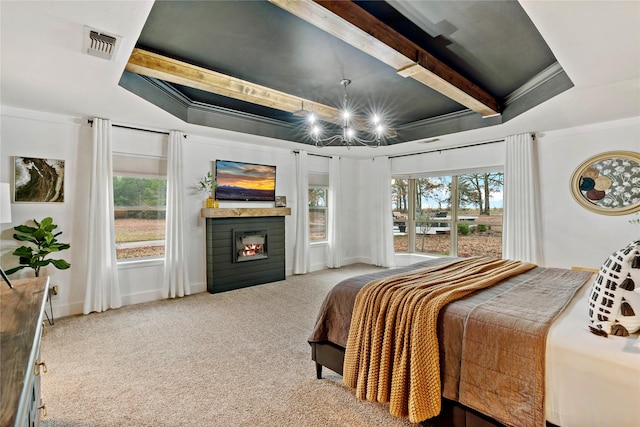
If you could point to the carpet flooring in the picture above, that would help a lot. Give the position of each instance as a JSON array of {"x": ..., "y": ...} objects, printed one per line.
[{"x": 238, "y": 358}]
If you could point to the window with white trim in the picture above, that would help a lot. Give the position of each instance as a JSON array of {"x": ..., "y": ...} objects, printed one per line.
[
  {"x": 318, "y": 214},
  {"x": 426, "y": 221},
  {"x": 318, "y": 207},
  {"x": 139, "y": 195}
]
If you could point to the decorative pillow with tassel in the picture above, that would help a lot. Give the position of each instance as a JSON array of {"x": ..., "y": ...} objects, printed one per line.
[{"x": 614, "y": 303}]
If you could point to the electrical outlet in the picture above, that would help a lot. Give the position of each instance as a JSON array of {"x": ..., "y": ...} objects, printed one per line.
[{"x": 54, "y": 290}]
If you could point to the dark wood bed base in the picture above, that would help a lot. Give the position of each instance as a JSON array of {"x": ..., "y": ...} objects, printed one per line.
[{"x": 331, "y": 356}]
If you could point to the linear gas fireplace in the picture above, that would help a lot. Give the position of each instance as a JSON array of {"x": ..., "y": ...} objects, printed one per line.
[{"x": 250, "y": 245}]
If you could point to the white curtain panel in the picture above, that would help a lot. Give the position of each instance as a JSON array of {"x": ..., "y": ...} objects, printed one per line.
[
  {"x": 301, "y": 253},
  {"x": 380, "y": 191},
  {"x": 334, "y": 226},
  {"x": 175, "y": 281},
  {"x": 521, "y": 238},
  {"x": 103, "y": 290}
]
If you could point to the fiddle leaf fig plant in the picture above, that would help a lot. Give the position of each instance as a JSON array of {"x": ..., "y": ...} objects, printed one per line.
[{"x": 45, "y": 244}]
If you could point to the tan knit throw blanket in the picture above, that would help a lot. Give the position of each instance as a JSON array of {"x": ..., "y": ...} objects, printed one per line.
[{"x": 392, "y": 352}]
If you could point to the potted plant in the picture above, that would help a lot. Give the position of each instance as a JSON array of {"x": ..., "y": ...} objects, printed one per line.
[
  {"x": 208, "y": 185},
  {"x": 45, "y": 244}
]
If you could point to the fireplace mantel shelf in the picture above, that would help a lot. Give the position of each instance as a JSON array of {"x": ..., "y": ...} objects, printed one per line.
[{"x": 243, "y": 212}]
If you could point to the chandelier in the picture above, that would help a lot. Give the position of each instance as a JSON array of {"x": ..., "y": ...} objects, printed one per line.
[{"x": 351, "y": 125}]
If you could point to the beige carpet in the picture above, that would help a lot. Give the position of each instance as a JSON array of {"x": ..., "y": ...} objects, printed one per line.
[{"x": 237, "y": 358}]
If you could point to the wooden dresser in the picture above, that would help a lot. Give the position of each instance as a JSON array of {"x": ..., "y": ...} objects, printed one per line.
[{"x": 21, "y": 328}]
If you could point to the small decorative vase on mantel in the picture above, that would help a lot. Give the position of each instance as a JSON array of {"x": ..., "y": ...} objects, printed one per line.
[{"x": 211, "y": 202}]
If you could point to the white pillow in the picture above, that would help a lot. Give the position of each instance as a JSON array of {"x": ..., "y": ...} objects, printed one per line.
[{"x": 614, "y": 302}]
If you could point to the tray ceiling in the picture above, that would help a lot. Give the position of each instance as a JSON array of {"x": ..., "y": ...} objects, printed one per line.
[{"x": 432, "y": 67}]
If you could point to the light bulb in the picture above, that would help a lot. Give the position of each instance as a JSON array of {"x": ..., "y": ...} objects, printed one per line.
[{"x": 350, "y": 132}]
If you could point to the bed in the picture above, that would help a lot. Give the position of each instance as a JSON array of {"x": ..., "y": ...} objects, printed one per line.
[{"x": 585, "y": 380}]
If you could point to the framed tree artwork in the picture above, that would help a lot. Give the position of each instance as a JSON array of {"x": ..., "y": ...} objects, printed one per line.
[{"x": 38, "y": 180}]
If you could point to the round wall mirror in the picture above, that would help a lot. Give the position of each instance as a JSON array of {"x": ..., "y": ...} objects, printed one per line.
[{"x": 608, "y": 183}]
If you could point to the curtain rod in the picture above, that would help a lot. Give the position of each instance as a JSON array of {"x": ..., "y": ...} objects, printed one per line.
[
  {"x": 437, "y": 150},
  {"x": 133, "y": 128},
  {"x": 313, "y": 154}
]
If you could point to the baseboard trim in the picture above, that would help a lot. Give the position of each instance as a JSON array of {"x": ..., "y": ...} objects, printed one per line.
[{"x": 76, "y": 308}]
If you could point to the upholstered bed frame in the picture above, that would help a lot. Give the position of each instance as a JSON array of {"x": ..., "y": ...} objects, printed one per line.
[
  {"x": 331, "y": 356},
  {"x": 327, "y": 354},
  {"x": 327, "y": 351}
]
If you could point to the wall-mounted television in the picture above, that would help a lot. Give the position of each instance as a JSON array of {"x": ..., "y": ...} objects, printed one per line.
[{"x": 245, "y": 181}]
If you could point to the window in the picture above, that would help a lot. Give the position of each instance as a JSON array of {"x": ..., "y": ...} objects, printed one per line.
[
  {"x": 400, "y": 209},
  {"x": 479, "y": 214},
  {"x": 318, "y": 214},
  {"x": 426, "y": 220},
  {"x": 139, "y": 195}
]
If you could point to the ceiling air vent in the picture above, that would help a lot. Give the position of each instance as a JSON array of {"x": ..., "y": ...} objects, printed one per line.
[{"x": 100, "y": 44}]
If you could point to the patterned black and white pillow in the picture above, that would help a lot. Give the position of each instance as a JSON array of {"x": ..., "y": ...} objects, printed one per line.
[{"x": 614, "y": 302}]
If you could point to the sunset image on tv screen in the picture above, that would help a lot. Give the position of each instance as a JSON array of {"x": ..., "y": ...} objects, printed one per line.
[{"x": 245, "y": 181}]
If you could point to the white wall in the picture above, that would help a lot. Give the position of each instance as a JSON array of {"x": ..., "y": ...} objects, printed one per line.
[
  {"x": 354, "y": 192},
  {"x": 199, "y": 156},
  {"x": 34, "y": 134},
  {"x": 53, "y": 137},
  {"x": 573, "y": 235},
  {"x": 451, "y": 161}
]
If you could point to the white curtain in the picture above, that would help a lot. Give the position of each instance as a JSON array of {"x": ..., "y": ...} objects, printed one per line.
[
  {"x": 176, "y": 276},
  {"x": 103, "y": 291},
  {"x": 521, "y": 238},
  {"x": 380, "y": 191},
  {"x": 301, "y": 253},
  {"x": 334, "y": 226}
]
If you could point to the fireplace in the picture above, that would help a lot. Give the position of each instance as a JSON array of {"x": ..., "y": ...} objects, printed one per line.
[
  {"x": 250, "y": 245},
  {"x": 244, "y": 251}
]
